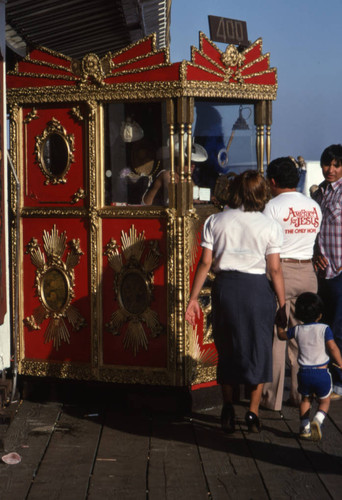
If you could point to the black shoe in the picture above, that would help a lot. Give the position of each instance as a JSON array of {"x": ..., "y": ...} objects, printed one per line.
[
  {"x": 228, "y": 418},
  {"x": 253, "y": 422}
]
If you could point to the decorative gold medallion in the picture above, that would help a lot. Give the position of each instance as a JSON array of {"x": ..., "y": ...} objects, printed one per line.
[
  {"x": 55, "y": 152},
  {"x": 133, "y": 283},
  {"x": 55, "y": 281}
]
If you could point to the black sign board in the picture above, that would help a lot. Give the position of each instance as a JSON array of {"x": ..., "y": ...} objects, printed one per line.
[{"x": 228, "y": 31}]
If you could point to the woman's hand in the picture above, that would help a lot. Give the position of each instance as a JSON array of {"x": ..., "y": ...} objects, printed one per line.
[{"x": 192, "y": 311}]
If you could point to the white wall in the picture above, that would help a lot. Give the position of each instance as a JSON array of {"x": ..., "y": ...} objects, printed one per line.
[{"x": 5, "y": 330}]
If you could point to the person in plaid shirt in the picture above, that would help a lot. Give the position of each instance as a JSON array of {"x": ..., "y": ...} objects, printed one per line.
[{"x": 328, "y": 259}]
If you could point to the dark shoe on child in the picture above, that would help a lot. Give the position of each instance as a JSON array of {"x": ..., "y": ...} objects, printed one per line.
[
  {"x": 228, "y": 418},
  {"x": 253, "y": 422}
]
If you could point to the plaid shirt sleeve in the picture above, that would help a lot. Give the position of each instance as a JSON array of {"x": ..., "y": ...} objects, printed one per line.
[{"x": 330, "y": 236}]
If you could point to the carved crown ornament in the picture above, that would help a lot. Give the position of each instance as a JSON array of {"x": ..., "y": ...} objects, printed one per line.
[
  {"x": 133, "y": 268},
  {"x": 93, "y": 68},
  {"x": 54, "y": 283},
  {"x": 141, "y": 71},
  {"x": 54, "y": 151}
]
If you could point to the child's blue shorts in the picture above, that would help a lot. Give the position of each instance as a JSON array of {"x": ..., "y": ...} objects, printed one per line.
[{"x": 314, "y": 381}]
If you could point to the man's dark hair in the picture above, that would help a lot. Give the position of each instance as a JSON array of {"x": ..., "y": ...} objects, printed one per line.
[
  {"x": 284, "y": 171},
  {"x": 308, "y": 307},
  {"x": 331, "y": 153}
]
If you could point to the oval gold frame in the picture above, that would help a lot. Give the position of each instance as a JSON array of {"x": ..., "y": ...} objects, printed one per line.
[
  {"x": 140, "y": 278},
  {"x": 42, "y": 293},
  {"x": 54, "y": 128}
]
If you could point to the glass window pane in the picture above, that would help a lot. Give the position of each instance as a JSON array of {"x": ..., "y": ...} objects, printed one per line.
[
  {"x": 135, "y": 145},
  {"x": 228, "y": 134}
]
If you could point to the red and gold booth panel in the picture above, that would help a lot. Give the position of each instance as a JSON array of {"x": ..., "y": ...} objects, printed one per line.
[
  {"x": 54, "y": 157},
  {"x": 202, "y": 333},
  {"x": 56, "y": 303},
  {"x": 135, "y": 292}
]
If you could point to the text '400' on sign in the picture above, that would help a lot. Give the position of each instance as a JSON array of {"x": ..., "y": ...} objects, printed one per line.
[{"x": 226, "y": 30}]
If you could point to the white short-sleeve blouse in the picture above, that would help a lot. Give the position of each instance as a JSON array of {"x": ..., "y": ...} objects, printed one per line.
[{"x": 241, "y": 240}]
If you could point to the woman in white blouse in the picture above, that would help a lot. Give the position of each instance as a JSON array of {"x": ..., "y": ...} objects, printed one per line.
[{"x": 241, "y": 244}]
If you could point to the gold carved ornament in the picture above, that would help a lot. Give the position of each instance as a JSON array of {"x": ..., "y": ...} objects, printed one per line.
[
  {"x": 133, "y": 284},
  {"x": 55, "y": 152},
  {"x": 200, "y": 358},
  {"x": 54, "y": 283}
]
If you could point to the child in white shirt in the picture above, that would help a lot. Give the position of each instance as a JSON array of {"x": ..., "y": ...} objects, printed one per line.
[{"x": 315, "y": 343}]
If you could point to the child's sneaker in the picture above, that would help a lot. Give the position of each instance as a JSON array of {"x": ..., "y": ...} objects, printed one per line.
[
  {"x": 316, "y": 433},
  {"x": 305, "y": 432}
]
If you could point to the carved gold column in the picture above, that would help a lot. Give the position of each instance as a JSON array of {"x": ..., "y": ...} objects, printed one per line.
[
  {"x": 188, "y": 177},
  {"x": 170, "y": 115},
  {"x": 260, "y": 120},
  {"x": 268, "y": 130},
  {"x": 94, "y": 165}
]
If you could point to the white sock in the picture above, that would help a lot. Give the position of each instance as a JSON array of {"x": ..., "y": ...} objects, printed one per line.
[{"x": 320, "y": 416}]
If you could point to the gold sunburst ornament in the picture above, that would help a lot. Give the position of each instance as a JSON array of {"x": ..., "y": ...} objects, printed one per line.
[
  {"x": 55, "y": 281},
  {"x": 133, "y": 284}
]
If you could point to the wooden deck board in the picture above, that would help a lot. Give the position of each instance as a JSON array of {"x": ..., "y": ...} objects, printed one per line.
[
  {"x": 121, "y": 461},
  {"x": 28, "y": 435},
  {"x": 175, "y": 471},
  {"x": 229, "y": 467},
  {"x": 69, "y": 454},
  {"x": 67, "y": 465},
  {"x": 325, "y": 456}
]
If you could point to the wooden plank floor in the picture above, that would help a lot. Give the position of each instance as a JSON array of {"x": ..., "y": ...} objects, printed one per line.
[{"x": 74, "y": 452}]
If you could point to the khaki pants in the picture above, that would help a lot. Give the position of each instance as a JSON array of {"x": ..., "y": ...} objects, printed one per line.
[{"x": 298, "y": 278}]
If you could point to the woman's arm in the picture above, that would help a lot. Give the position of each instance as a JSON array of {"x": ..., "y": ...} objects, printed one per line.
[
  {"x": 275, "y": 271},
  {"x": 193, "y": 310}
]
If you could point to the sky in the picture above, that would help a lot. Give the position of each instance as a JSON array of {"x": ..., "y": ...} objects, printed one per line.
[{"x": 304, "y": 40}]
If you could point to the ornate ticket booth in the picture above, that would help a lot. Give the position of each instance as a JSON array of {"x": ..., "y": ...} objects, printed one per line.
[{"x": 101, "y": 274}]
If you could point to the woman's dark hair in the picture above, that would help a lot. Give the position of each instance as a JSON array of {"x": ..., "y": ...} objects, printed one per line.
[
  {"x": 331, "y": 153},
  {"x": 284, "y": 171},
  {"x": 308, "y": 307},
  {"x": 249, "y": 190}
]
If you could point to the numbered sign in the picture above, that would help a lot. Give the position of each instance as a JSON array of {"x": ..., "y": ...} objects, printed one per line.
[{"x": 226, "y": 30}]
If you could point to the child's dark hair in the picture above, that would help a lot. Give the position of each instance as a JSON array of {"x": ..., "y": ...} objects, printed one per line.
[{"x": 308, "y": 307}]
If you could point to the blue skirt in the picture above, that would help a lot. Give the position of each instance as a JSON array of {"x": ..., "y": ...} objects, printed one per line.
[{"x": 244, "y": 308}]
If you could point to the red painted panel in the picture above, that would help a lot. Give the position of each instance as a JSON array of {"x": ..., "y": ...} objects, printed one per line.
[
  {"x": 211, "y": 51},
  {"x": 79, "y": 348},
  {"x": 142, "y": 48},
  {"x": 19, "y": 81},
  {"x": 200, "y": 74},
  {"x": 166, "y": 73},
  {"x": 198, "y": 58},
  {"x": 114, "y": 351},
  {"x": 31, "y": 67},
  {"x": 265, "y": 79},
  {"x": 41, "y": 55},
  {"x": 35, "y": 191},
  {"x": 150, "y": 60},
  {"x": 252, "y": 53},
  {"x": 256, "y": 67}
]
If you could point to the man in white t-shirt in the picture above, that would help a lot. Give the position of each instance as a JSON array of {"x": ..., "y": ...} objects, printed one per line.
[{"x": 300, "y": 218}]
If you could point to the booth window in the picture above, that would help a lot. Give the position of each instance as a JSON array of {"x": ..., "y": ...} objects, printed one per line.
[
  {"x": 135, "y": 139},
  {"x": 228, "y": 135}
]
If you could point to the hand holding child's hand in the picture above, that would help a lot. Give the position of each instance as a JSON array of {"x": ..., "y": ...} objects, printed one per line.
[{"x": 281, "y": 318}]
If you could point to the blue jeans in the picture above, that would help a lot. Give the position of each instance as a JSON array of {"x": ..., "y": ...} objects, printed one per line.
[{"x": 331, "y": 293}]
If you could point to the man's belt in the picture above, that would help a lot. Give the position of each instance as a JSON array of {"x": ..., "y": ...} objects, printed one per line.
[{"x": 296, "y": 261}]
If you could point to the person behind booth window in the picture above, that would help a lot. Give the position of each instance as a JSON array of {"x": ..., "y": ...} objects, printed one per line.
[
  {"x": 328, "y": 258},
  {"x": 239, "y": 244},
  {"x": 315, "y": 342},
  {"x": 300, "y": 218},
  {"x": 158, "y": 192}
]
